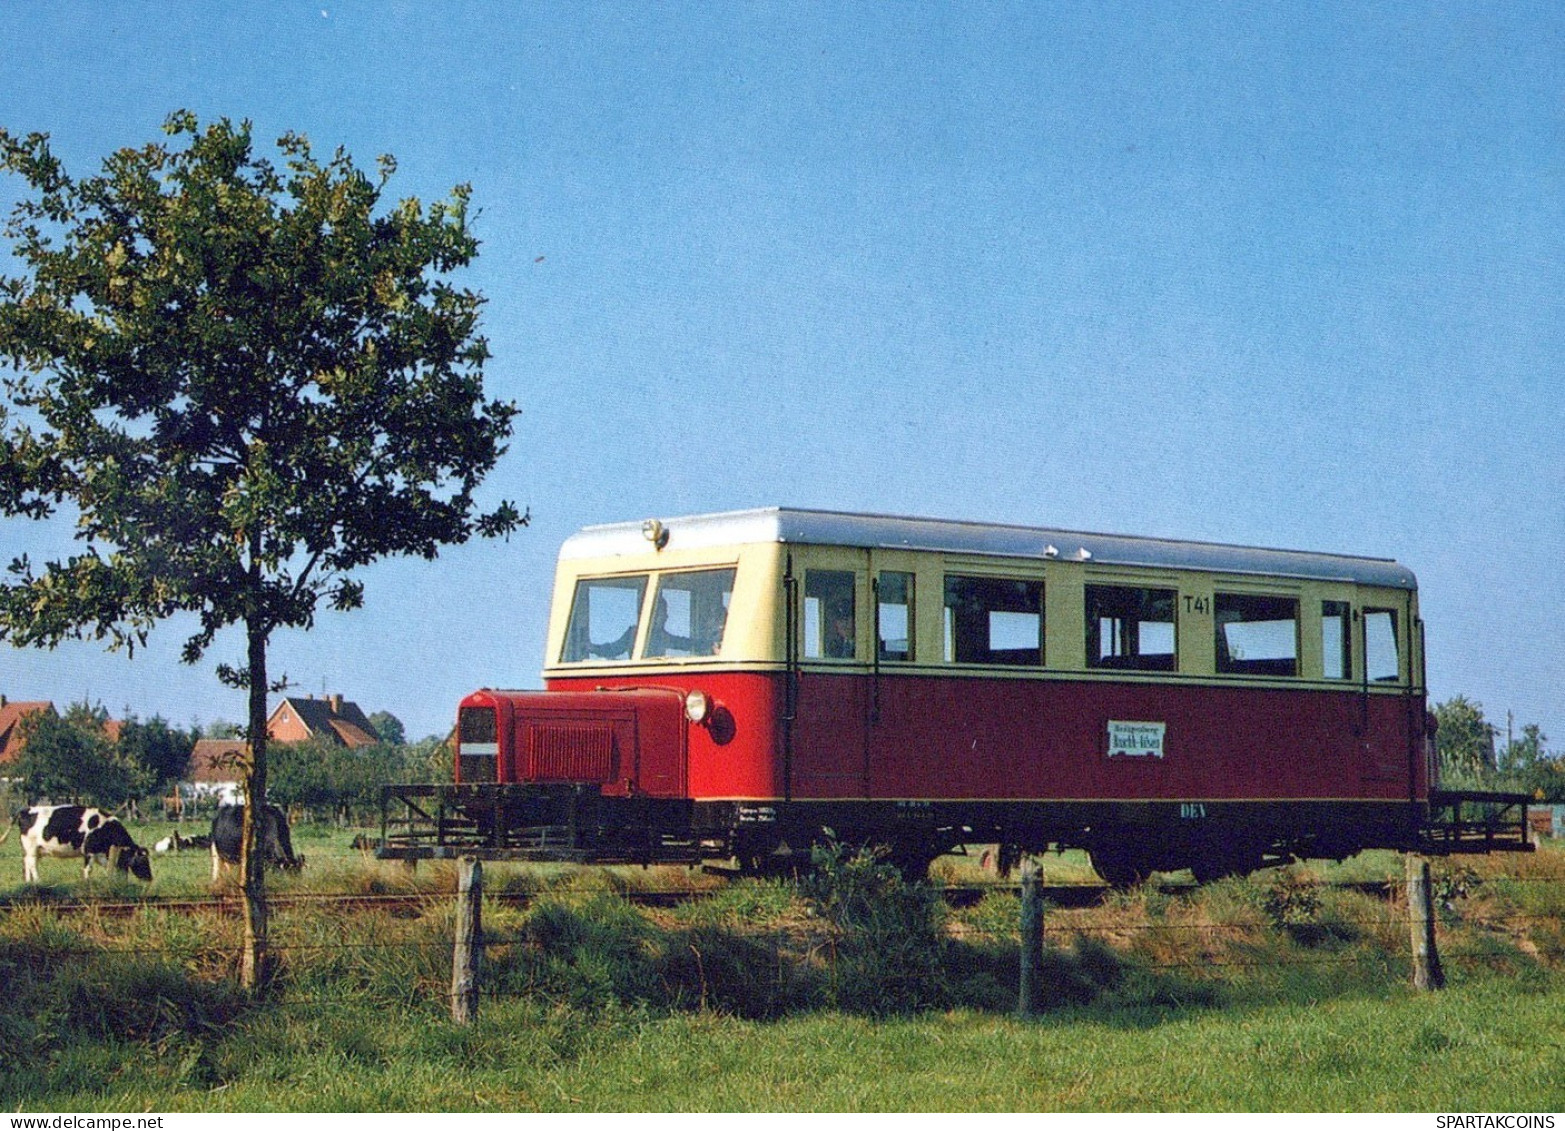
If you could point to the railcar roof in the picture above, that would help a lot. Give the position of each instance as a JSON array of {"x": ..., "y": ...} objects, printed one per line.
[{"x": 888, "y": 532}]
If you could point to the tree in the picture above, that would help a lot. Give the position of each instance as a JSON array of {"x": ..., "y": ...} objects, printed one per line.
[
  {"x": 1464, "y": 741},
  {"x": 245, "y": 383},
  {"x": 70, "y": 758},
  {"x": 1524, "y": 753},
  {"x": 388, "y": 727},
  {"x": 162, "y": 751}
]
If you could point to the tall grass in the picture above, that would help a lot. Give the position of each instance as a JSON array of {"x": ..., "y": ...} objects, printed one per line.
[{"x": 848, "y": 991}]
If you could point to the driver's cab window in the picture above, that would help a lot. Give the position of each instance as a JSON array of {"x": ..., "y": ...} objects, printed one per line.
[
  {"x": 690, "y": 613},
  {"x": 830, "y": 615},
  {"x": 604, "y": 615}
]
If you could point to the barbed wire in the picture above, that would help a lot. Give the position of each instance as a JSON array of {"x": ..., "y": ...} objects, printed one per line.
[{"x": 816, "y": 941}]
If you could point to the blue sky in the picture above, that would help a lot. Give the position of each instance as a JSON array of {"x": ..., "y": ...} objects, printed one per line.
[{"x": 1287, "y": 275}]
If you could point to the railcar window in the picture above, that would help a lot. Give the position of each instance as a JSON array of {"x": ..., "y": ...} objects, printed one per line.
[
  {"x": 830, "y": 615},
  {"x": 993, "y": 620},
  {"x": 1130, "y": 628},
  {"x": 1381, "y": 662},
  {"x": 1257, "y": 635},
  {"x": 1335, "y": 640},
  {"x": 689, "y": 613},
  {"x": 604, "y": 614},
  {"x": 894, "y": 615}
]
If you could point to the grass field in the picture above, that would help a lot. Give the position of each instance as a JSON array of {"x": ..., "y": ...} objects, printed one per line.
[{"x": 1276, "y": 993}]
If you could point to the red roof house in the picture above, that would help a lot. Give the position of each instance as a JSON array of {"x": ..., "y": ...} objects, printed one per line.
[{"x": 332, "y": 718}]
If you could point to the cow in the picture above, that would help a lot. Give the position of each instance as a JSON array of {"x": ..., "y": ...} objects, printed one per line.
[
  {"x": 76, "y": 830},
  {"x": 178, "y": 843},
  {"x": 228, "y": 832}
]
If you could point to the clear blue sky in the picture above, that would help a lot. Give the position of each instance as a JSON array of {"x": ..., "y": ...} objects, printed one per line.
[{"x": 1263, "y": 273}]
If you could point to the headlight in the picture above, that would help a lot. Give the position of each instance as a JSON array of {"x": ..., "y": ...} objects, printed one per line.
[{"x": 698, "y": 705}]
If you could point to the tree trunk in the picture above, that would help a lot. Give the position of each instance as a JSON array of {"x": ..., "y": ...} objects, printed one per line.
[{"x": 252, "y": 854}]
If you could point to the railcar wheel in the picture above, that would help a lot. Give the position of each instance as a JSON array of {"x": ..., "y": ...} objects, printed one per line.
[{"x": 1118, "y": 866}]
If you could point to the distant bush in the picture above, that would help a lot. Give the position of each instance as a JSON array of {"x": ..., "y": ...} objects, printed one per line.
[{"x": 334, "y": 780}]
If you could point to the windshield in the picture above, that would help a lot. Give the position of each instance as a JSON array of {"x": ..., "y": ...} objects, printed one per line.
[
  {"x": 690, "y": 613},
  {"x": 688, "y": 616},
  {"x": 604, "y": 615}
]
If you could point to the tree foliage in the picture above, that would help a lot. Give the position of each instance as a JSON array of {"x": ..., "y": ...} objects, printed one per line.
[
  {"x": 160, "y": 750},
  {"x": 244, "y": 382},
  {"x": 388, "y": 727},
  {"x": 71, "y": 758},
  {"x": 248, "y": 382},
  {"x": 329, "y": 778},
  {"x": 1464, "y": 741}
]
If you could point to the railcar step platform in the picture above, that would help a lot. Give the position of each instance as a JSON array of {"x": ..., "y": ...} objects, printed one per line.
[
  {"x": 515, "y": 822},
  {"x": 1475, "y": 821}
]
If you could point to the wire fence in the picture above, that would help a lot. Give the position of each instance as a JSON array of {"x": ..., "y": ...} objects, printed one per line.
[{"x": 792, "y": 947}]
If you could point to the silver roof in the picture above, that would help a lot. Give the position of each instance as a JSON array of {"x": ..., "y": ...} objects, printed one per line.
[{"x": 887, "y": 532}]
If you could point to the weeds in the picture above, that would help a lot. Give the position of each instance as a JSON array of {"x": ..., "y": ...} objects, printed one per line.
[{"x": 887, "y": 948}]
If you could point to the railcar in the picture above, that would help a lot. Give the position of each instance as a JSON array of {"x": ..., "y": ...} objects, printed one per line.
[{"x": 734, "y": 686}]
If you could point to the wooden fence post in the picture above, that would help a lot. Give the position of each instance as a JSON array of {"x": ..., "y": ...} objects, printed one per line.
[
  {"x": 1030, "y": 988},
  {"x": 467, "y": 957},
  {"x": 1427, "y": 974}
]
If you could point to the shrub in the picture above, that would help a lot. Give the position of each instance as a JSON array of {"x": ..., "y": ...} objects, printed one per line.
[
  {"x": 588, "y": 953},
  {"x": 887, "y": 948}
]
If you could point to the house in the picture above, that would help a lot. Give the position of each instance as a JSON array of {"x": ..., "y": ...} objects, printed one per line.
[
  {"x": 332, "y": 719},
  {"x": 12, "y": 715},
  {"x": 215, "y": 770}
]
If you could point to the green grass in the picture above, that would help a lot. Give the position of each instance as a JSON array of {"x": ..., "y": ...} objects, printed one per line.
[
  {"x": 1276, "y": 993},
  {"x": 1490, "y": 1047}
]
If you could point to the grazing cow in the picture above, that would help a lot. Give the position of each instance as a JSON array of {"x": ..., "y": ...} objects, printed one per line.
[
  {"x": 228, "y": 832},
  {"x": 75, "y": 830}
]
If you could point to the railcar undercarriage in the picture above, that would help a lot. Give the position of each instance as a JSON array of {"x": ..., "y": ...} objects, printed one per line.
[{"x": 1126, "y": 841}]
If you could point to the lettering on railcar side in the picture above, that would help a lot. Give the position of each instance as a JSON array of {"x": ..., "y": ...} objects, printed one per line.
[{"x": 1136, "y": 739}]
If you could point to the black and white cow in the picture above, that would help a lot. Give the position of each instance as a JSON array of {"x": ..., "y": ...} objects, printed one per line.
[
  {"x": 75, "y": 830},
  {"x": 228, "y": 833},
  {"x": 174, "y": 842}
]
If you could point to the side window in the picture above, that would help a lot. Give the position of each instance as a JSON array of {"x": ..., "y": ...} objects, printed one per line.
[
  {"x": 604, "y": 614},
  {"x": 992, "y": 620},
  {"x": 1130, "y": 628},
  {"x": 830, "y": 618},
  {"x": 1257, "y": 635},
  {"x": 894, "y": 615},
  {"x": 689, "y": 613},
  {"x": 1336, "y": 640},
  {"x": 1381, "y": 661}
]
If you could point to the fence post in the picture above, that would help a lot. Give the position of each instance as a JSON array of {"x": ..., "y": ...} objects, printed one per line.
[
  {"x": 467, "y": 956},
  {"x": 1031, "y": 980},
  {"x": 1427, "y": 974}
]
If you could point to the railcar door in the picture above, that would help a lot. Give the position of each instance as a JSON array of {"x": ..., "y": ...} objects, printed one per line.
[
  {"x": 832, "y": 626},
  {"x": 896, "y": 739},
  {"x": 1383, "y": 646}
]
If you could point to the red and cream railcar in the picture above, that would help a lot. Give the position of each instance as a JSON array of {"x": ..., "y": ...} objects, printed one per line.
[{"x": 730, "y": 685}]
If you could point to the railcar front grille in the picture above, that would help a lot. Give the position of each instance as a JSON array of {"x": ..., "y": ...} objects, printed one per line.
[{"x": 584, "y": 752}]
